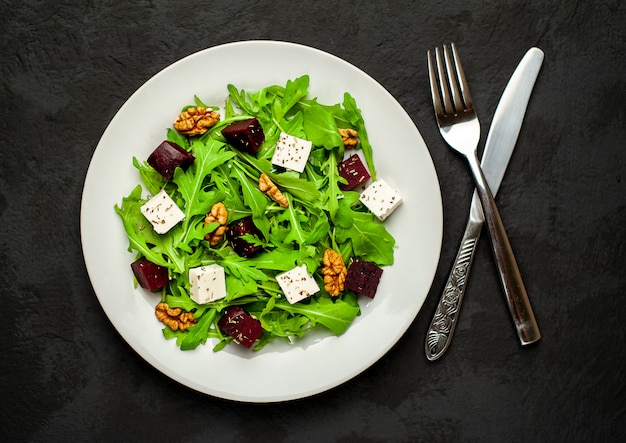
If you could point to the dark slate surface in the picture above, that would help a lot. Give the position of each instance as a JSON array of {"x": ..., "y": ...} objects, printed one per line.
[{"x": 66, "y": 375}]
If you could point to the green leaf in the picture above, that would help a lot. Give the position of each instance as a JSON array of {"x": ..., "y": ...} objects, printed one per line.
[
  {"x": 287, "y": 181},
  {"x": 370, "y": 240},
  {"x": 305, "y": 228},
  {"x": 230, "y": 189},
  {"x": 178, "y": 138},
  {"x": 344, "y": 217},
  {"x": 159, "y": 249},
  {"x": 237, "y": 287},
  {"x": 353, "y": 113},
  {"x": 197, "y": 200},
  {"x": 242, "y": 268},
  {"x": 333, "y": 193},
  {"x": 153, "y": 181},
  {"x": 280, "y": 259},
  {"x": 282, "y": 323},
  {"x": 295, "y": 91},
  {"x": 239, "y": 99},
  {"x": 335, "y": 315},
  {"x": 253, "y": 198},
  {"x": 320, "y": 128},
  {"x": 198, "y": 333}
]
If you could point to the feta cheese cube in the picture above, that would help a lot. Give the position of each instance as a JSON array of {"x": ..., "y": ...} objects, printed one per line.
[
  {"x": 297, "y": 284},
  {"x": 381, "y": 199},
  {"x": 291, "y": 152},
  {"x": 207, "y": 283},
  {"x": 162, "y": 212}
]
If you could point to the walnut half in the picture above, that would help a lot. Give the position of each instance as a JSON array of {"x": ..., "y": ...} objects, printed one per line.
[
  {"x": 175, "y": 318},
  {"x": 334, "y": 272},
  {"x": 219, "y": 214},
  {"x": 349, "y": 137},
  {"x": 267, "y": 186},
  {"x": 196, "y": 121}
]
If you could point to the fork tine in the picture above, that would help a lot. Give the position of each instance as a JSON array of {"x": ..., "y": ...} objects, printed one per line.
[
  {"x": 445, "y": 92},
  {"x": 434, "y": 89},
  {"x": 465, "y": 93},
  {"x": 452, "y": 77}
]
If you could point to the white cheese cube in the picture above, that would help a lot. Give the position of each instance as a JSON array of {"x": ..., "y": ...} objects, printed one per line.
[
  {"x": 291, "y": 152},
  {"x": 381, "y": 199},
  {"x": 207, "y": 283},
  {"x": 162, "y": 212},
  {"x": 297, "y": 284}
]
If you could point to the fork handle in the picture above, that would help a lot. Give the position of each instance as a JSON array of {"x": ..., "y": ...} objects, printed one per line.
[
  {"x": 442, "y": 326},
  {"x": 510, "y": 277}
]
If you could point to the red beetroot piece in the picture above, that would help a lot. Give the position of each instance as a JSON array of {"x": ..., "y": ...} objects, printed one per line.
[
  {"x": 167, "y": 157},
  {"x": 363, "y": 278},
  {"x": 240, "y": 325},
  {"x": 354, "y": 171},
  {"x": 239, "y": 228},
  {"x": 149, "y": 275},
  {"x": 245, "y": 135}
]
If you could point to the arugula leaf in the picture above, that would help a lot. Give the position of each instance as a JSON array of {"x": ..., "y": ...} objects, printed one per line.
[
  {"x": 242, "y": 268},
  {"x": 353, "y": 113},
  {"x": 291, "y": 182},
  {"x": 233, "y": 200},
  {"x": 159, "y": 249},
  {"x": 344, "y": 217},
  {"x": 197, "y": 199},
  {"x": 304, "y": 228},
  {"x": 237, "y": 287},
  {"x": 253, "y": 198},
  {"x": 282, "y": 323},
  {"x": 282, "y": 258},
  {"x": 321, "y": 129},
  {"x": 335, "y": 315},
  {"x": 153, "y": 181},
  {"x": 178, "y": 138},
  {"x": 370, "y": 240},
  {"x": 195, "y": 335},
  {"x": 333, "y": 192},
  {"x": 239, "y": 98},
  {"x": 295, "y": 91}
]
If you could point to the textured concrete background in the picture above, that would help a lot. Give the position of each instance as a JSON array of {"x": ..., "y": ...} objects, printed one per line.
[{"x": 65, "y": 374}]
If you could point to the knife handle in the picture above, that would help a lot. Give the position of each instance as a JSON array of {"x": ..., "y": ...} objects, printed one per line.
[
  {"x": 508, "y": 271},
  {"x": 441, "y": 329}
]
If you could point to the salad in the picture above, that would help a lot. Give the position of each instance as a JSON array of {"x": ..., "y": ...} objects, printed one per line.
[{"x": 243, "y": 240}]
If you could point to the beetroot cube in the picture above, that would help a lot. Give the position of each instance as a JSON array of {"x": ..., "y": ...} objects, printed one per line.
[
  {"x": 239, "y": 228},
  {"x": 354, "y": 171},
  {"x": 240, "y": 325},
  {"x": 149, "y": 275},
  {"x": 363, "y": 278},
  {"x": 167, "y": 157},
  {"x": 245, "y": 135}
]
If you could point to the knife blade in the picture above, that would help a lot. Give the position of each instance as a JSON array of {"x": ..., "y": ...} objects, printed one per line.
[{"x": 503, "y": 133}]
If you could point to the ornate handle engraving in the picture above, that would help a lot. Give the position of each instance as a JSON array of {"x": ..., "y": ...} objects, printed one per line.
[{"x": 444, "y": 321}]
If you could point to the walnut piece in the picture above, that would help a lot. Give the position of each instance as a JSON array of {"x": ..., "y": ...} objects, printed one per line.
[
  {"x": 267, "y": 186},
  {"x": 334, "y": 272},
  {"x": 175, "y": 318},
  {"x": 218, "y": 214},
  {"x": 349, "y": 137},
  {"x": 196, "y": 121}
]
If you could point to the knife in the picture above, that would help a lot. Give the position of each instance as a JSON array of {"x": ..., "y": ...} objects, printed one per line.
[{"x": 501, "y": 140}]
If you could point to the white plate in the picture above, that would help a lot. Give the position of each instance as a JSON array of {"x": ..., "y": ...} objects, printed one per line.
[{"x": 280, "y": 371}]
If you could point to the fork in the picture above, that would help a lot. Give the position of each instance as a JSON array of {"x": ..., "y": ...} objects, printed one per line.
[{"x": 460, "y": 128}]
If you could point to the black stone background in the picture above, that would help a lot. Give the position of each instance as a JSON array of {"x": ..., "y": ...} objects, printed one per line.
[{"x": 66, "y": 375}]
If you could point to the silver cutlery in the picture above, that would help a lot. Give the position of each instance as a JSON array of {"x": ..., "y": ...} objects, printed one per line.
[
  {"x": 460, "y": 128},
  {"x": 503, "y": 133}
]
